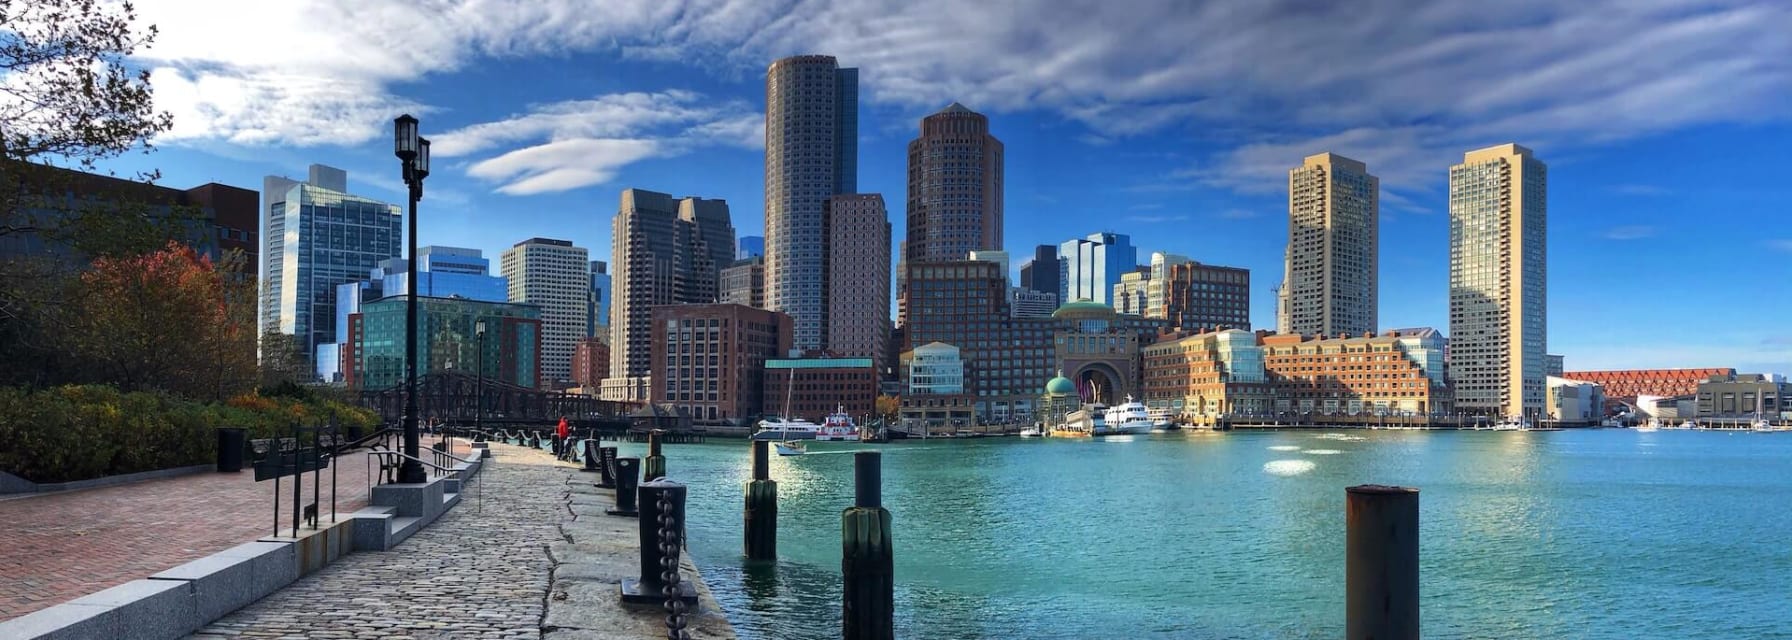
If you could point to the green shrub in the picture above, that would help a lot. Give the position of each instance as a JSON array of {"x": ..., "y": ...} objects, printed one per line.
[{"x": 80, "y": 432}]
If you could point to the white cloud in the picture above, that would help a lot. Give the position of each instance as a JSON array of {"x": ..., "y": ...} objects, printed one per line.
[
  {"x": 1403, "y": 87},
  {"x": 562, "y": 164},
  {"x": 579, "y": 143},
  {"x": 1782, "y": 244}
]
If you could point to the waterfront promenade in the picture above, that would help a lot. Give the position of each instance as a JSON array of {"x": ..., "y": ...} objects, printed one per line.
[
  {"x": 56, "y": 547},
  {"x": 538, "y": 559}
]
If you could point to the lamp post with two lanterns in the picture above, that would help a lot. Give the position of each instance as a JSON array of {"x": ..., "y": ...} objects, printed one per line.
[{"x": 413, "y": 154}]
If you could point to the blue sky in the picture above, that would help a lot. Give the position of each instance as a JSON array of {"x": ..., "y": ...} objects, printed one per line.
[{"x": 1665, "y": 126}]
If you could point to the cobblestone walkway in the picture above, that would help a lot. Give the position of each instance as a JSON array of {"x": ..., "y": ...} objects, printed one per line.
[
  {"x": 481, "y": 571},
  {"x": 60, "y": 546}
]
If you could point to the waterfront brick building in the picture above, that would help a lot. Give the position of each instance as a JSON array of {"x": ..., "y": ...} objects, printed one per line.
[
  {"x": 814, "y": 387},
  {"x": 707, "y": 359},
  {"x": 1206, "y": 375},
  {"x": 1630, "y": 383},
  {"x": 1389, "y": 374}
]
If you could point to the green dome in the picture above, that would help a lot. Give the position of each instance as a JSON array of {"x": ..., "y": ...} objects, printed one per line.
[
  {"x": 1085, "y": 309},
  {"x": 1060, "y": 386}
]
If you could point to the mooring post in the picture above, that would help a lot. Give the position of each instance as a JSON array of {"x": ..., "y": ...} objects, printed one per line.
[
  {"x": 606, "y": 467},
  {"x": 591, "y": 455},
  {"x": 654, "y": 467},
  {"x": 628, "y": 476},
  {"x": 1381, "y": 563},
  {"x": 661, "y": 536},
  {"x": 761, "y": 511},
  {"x": 867, "y": 610}
]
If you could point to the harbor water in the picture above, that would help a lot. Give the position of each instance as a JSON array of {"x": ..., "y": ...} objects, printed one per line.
[{"x": 1573, "y": 534}]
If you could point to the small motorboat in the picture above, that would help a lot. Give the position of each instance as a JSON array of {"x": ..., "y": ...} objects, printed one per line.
[
  {"x": 790, "y": 448},
  {"x": 1031, "y": 432}
]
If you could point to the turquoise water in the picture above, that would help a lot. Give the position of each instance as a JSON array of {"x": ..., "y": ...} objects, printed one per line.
[{"x": 1573, "y": 534}]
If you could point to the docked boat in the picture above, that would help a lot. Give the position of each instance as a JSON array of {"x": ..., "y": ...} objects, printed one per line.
[
  {"x": 1032, "y": 432},
  {"x": 1126, "y": 418},
  {"x": 790, "y": 448},
  {"x": 838, "y": 427},
  {"x": 1514, "y": 423},
  {"x": 786, "y": 429},
  {"x": 1650, "y": 426},
  {"x": 1161, "y": 419}
]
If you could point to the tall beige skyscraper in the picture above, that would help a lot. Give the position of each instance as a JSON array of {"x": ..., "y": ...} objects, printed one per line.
[
  {"x": 556, "y": 276},
  {"x": 666, "y": 251},
  {"x": 1499, "y": 331},
  {"x": 811, "y": 154},
  {"x": 954, "y": 187},
  {"x": 859, "y": 276},
  {"x": 1330, "y": 284}
]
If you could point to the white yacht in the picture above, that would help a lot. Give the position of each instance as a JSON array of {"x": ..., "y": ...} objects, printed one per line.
[
  {"x": 1514, "y": 423},
  {"x": 1161, "y": 419},
  {"x": 786, "y": 429},
  {"x": 790, "y": 448},
  {"x": 1032, "y": 432},
  {"x": 1652, "y": 425},
  {"x": 1125, "y": 418},
  {"x": 838, "y": 427}
]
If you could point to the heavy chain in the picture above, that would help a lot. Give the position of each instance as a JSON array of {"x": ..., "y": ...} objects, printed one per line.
[{"x": 669, "y": 547}]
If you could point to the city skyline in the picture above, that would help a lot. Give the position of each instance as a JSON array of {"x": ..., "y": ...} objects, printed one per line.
[{"x": 1181, "y": 175}]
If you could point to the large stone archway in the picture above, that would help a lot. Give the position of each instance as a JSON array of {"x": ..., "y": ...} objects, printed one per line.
[{"x": 1100, "y": 382}]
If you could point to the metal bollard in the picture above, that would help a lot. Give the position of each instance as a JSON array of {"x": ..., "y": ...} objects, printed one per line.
[
  {"x": 659, "y": 498},
  {"x": 627, "y": 477},
  {"x": 867, "y": 608},
  {"x": 1381, "y": 563},
  {"x": 606, "y": 467},
  {"x": 591, "y": 455},
  {"x": 654, "y": 467},
  {"x": 761, "y": 512}
]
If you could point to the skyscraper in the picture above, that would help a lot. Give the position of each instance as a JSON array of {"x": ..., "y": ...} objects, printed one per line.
[
  {"x": 1334, "y": 217},
  {"x": 859, "y": 276},
  {"x": 1041, "y": 273},
  {"x": 811, "y": 153},
  {"x": 1093, "y": 265},
  {"x": 597, "y": 308},
  {"x": 744, "y": 283},
  {"x": 1499, "y": 331},
  {"x": 667, "y": 251},
  {"x": 317, "y": 236},
  {"x": 749, "y": 247},
  {"x": 954, "y": 187},
  {"x": 555, "y": 276}
]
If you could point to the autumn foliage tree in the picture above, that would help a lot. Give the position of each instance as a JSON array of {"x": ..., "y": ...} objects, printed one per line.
[{"x": 168, "y": 320}]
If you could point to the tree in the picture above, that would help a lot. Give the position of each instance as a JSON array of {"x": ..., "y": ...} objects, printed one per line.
[
  {"x": 168, "y": 320},
  {"x": 888, "y": 407},
  {"x": 282, "y": 361},
  {"x": 67, "y": 98}
]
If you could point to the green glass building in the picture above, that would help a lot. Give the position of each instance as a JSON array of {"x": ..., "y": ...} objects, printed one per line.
[{"x": 447, "y": 341}]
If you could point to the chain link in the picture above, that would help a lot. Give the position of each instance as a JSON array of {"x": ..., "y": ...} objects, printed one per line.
[{"x": 669, "y": 548}]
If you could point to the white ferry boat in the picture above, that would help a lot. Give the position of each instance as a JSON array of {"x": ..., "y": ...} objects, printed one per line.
[
  {"x": 786, "y": 429},
  {"x": 838, "y": 427},
  {"x": 1128, "y": 417}
]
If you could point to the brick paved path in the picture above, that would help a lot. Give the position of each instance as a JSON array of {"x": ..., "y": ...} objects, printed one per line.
[
  {"x": 60, "y": 546},
  {"x": 480, "y": 571}
]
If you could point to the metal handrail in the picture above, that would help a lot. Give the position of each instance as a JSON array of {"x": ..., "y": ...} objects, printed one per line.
[{"x": 401, "y": 454}]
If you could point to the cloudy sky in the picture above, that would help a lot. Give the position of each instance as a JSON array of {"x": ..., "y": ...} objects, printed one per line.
[{"x": 1665, "y": 126}]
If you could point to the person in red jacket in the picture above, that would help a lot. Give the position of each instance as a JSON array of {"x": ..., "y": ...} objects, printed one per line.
[{"x": 561, "y": 444}]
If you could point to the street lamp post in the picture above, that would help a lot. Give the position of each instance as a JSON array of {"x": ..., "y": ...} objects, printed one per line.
[
  {"x": 413, "y": 154},
  {"x": 479, "y": 386}
]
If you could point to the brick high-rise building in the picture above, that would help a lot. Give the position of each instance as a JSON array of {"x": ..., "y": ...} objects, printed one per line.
[
  {"x": 555, "y": 276},
  {"x": 1330, "y": 281},
  {"x": 591, "y": 362},
  {"x": 954, "y": 187},
  {"x": 811, "y": 154},
  {"x": 1499, "y": 331},
  {"x": 666, "y": 251},
  {"x": 858, "y": 276},
  {"x": 708, "y": 359}
]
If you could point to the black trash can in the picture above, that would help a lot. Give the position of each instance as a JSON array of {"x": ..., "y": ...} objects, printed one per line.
[
  {"x": 354, "y": 432},
  {"x": 230, "y": 449}
]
